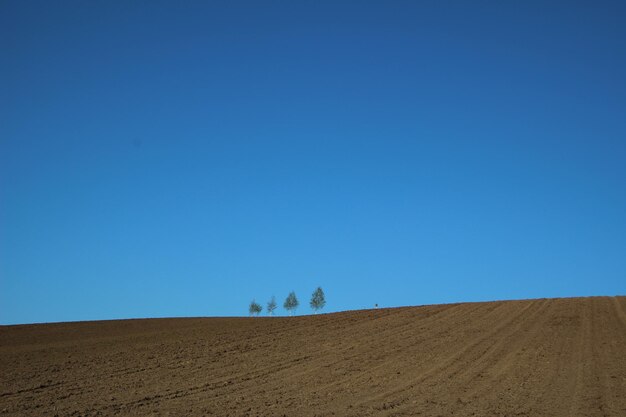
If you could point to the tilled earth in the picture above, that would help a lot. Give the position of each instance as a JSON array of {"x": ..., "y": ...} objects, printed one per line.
[{"x": 546, "y": 357}]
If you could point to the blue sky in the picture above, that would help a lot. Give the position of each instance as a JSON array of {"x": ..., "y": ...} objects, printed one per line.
[{"x": 182, "y": 158}]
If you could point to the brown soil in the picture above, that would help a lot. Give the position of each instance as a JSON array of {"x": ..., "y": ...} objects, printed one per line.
[{"x": 548, "y": 357}]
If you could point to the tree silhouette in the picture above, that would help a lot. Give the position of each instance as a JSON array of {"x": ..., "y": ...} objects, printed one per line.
[
  {"x": 271, "y": 306},
  {"x": 318, "y": 300},
  {"x": 255, "y": 308},
  {"x": 291, "y": 303}
]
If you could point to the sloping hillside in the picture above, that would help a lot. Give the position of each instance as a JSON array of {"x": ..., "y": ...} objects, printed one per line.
[{"x": 547, "y": 357}]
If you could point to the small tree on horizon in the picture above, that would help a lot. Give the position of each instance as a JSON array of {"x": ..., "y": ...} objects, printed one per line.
[
  {"x": 318, "y": 301},
  {"x": 255, "y": 308},
  {"x": 271, "y": 306},
  {"x": 291, "y": 303}
]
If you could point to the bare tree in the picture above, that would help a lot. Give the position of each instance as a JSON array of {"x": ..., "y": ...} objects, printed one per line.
[{"x": 271, "y": 306}]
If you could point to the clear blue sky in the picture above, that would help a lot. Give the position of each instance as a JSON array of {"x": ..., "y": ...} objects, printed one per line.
[{"x": 181, "y": 158}]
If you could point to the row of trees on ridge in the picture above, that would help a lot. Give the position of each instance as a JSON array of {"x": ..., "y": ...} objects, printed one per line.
[{"x": 318, "y": 301}]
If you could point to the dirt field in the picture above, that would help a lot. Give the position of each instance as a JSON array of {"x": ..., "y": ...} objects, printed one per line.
[{"x": 548, "y": 357}]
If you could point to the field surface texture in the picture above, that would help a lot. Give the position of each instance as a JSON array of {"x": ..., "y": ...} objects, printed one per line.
[{"x": 546, "y": 357}]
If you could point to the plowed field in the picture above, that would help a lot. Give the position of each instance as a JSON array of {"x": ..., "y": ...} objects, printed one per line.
[{"x": 546, "y": 357}]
